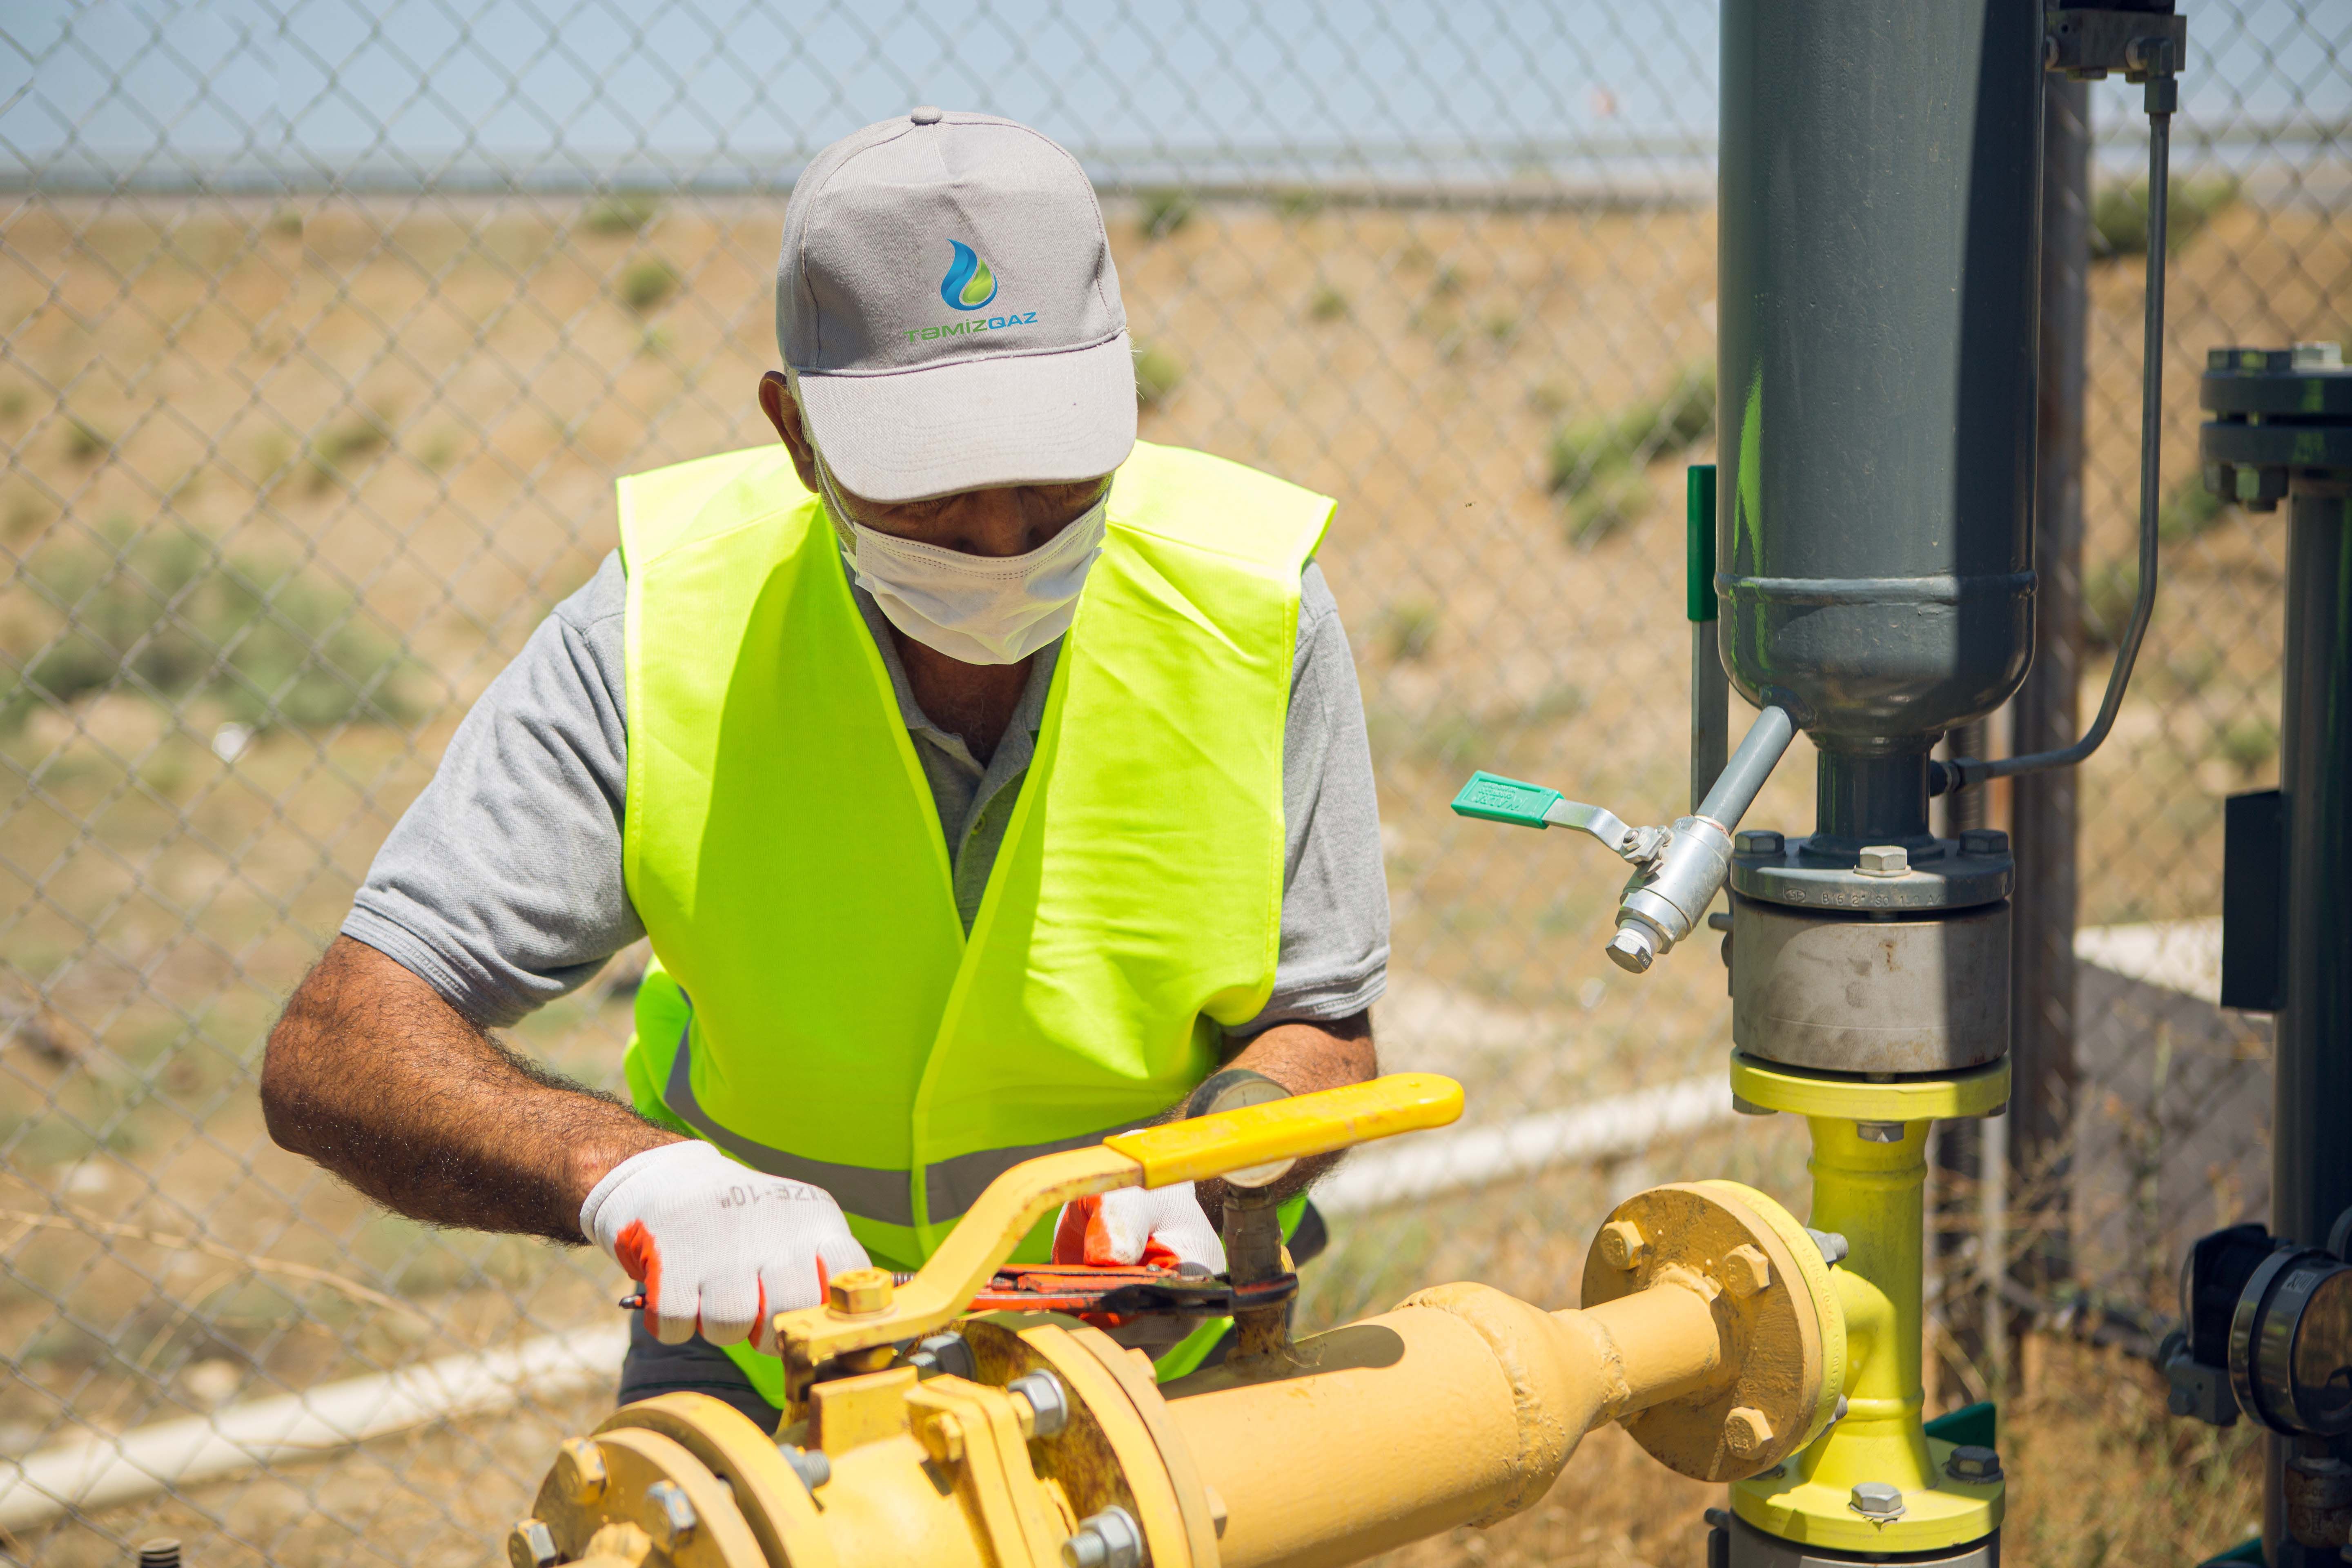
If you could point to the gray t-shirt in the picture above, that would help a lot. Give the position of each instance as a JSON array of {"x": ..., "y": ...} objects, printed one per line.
[{"x": 501, "y": 888}]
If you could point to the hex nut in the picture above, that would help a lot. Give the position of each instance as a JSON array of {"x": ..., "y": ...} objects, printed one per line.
[
  {"x": 1884, "y": 861},
  {"x": 1111, "y": 1538},
  {"x": 1973, "y": 1464},
  {"x": 1746, "y": 1431},
  {"x": 1049, "y": 1402},
  {"x": 1758, "y": 841},
  {"x": 1984, "y": 841},
  {"x": 530, "y": 1544},
  {"x": 668, "y": 1515},
  {"x": 945, "y": 1353},
  {"x": 579, "y": 1472},
  {"x": 1622, "y": 1243},
  {"x": 858, "y": 1293},
  {"x": 1878, "y": 1500},
  {"x": 942, "y": 1437},
  {"x": 1746, "y": 1271},
  {"x": 617, "y": 1541}
]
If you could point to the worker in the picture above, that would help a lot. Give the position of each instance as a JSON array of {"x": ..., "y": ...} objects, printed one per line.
[{"x": 983, "y": 778}]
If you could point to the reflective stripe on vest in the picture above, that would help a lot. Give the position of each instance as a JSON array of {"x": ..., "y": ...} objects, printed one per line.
[
  {"x": 952, "y": 1186},
  {"x": 783, "y": 851}
]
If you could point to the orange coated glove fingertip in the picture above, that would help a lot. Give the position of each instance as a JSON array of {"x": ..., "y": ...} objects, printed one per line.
[{"x": 1072, "y": 1231}]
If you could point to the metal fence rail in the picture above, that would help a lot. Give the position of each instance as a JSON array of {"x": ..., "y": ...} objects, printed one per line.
[{"x": 325, "y": 328}]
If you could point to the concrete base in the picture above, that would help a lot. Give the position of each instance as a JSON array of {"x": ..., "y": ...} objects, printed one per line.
[{"x": 2172, "y": 1119}]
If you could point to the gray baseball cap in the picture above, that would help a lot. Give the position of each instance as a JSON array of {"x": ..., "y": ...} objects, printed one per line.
[{"x": 949, "y": 313}]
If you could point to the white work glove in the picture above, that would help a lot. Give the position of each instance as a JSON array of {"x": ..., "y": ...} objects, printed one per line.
[
  {"x": 718, "y": 1247},
  {"x": 1163, "y": 1225}
]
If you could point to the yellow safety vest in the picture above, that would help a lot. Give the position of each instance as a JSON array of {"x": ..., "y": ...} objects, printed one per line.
[{"x": 816, "y": 1009}]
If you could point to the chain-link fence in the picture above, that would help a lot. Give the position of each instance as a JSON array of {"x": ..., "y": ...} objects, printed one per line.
[{"x": 324, "y": 330}]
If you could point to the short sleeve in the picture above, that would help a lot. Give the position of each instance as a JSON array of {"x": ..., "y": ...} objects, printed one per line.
[{"x": 501, "y": 886}]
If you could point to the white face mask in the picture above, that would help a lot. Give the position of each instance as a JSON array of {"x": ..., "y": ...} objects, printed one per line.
[{"x": 981, "y": 609}]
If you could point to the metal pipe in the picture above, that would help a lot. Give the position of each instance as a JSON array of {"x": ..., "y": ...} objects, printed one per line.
[
  {"x": 1860, "y": 800},
  {"x": 1669, "y": 896},
  {"x": 1743, "y": 775},
  {"x": 1967, "y": 772}
]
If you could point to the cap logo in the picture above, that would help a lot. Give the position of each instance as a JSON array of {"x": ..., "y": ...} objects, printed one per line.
[{"x": 971, "y": 282}]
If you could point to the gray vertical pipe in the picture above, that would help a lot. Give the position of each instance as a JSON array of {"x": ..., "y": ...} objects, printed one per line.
[
  {"x": 2044, "y": 807},
  {"x": 2311, "y": 1169}
]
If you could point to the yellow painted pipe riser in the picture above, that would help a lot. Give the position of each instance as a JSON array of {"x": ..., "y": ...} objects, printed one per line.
[{"x": 1872, "y": 1194}]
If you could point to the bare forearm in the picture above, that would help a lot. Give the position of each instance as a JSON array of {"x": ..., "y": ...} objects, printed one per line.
[
  {"x": 1303, "y": 1059},
  {"x": 372, "y": 1075}
]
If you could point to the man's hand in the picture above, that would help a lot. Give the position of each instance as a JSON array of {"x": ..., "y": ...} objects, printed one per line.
[
  {"x": 1302, "y": 1057},
  {"x": 1163, "y": 1226},
  {"x": 720, "y": 1248}
]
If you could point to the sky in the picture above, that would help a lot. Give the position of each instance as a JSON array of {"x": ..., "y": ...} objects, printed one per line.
[{"x": 549, "y": 89}]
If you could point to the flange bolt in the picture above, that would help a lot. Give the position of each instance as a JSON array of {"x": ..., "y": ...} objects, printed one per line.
[
  {"x": 1974, "y": 1465},
  {"x": 1046, "y": 1398},
  {"x": 1884, "y": 861},
  {"x": 1878, "y": 1500},
  {"x": 669, "y": 1516},
  {"x": 529, "y": 1544},
  {"x": 163, "y": 1551},
  {"x": 810, "y": 1464},
  {"x": 1746, "y": 1271},
  {"x": 1984, "y": 841},
  {"x": 1622, "y": 1244},
  {"x": 1111, "y": 1538},
  {"x": 943, "y": 1353},
  {"x": 579, "y": 1472},
  {"x": 1746, "y": 1431}
]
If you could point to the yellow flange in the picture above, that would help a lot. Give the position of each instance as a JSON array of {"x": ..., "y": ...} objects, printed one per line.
[
  {"x": 1979, "y": 1091},
  {"x": 1820, "y": 1512},
  {"x": 1768, "y": 1285}
]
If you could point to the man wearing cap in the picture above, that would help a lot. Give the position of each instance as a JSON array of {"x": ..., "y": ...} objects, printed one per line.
[{"x": 982, "y": 777}]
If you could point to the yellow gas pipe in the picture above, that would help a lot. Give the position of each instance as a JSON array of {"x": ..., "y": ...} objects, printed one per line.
[{"x": 1711, "y": 1327}]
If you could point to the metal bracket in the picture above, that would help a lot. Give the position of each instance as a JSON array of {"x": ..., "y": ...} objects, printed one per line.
[{"x": 2087, "y": 42}]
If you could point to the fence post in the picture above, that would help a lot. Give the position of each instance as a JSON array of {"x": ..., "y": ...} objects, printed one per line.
[{"x": 2043, "y": 806}]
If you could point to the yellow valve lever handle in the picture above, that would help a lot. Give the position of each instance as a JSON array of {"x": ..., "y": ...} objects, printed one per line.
[
  {"x": 1290, "y": 1128},
  {"x": 1151, "y": 1157}
]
